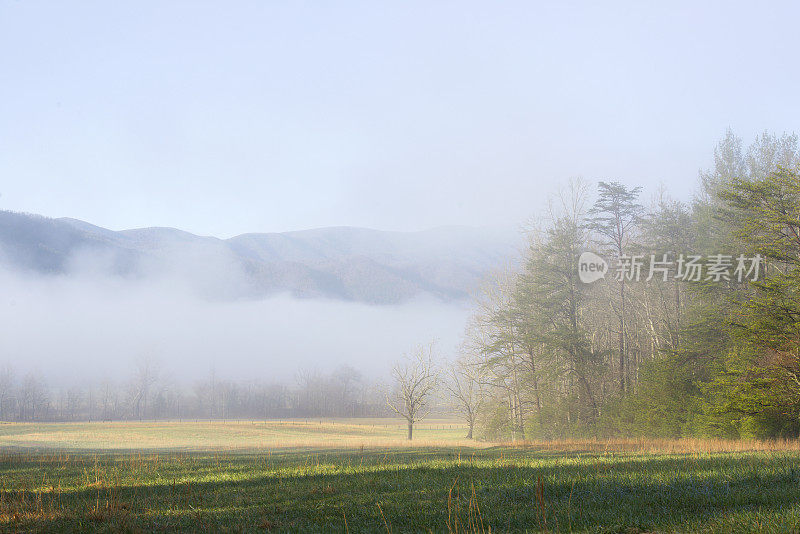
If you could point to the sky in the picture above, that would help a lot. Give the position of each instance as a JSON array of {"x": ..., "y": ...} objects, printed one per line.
[{"x": 228, "y": 117}]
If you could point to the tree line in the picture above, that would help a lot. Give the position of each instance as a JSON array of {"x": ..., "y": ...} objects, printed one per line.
[
  {"x": 149, "y": 393},
  {"x": 693, "y": 330}
]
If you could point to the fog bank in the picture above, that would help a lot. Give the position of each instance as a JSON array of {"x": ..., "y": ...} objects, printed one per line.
[{"x": 84, "y": 327}]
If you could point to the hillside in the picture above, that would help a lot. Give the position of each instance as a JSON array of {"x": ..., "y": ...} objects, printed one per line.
[{"x": 344, "y": 263}]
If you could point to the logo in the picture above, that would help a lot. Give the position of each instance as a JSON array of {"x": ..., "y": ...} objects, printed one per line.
[{"x": 591, "y": 267}]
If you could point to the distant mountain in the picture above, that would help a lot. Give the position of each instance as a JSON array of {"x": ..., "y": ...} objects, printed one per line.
[{"x": 346, "y": 263}]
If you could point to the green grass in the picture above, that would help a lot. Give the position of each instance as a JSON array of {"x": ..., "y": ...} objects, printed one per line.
[{"x": 559, "y": 488}]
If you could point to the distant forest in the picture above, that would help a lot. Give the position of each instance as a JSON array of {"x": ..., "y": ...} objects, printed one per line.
[
  {"x": 694, "y": 329},
  {"x": 150, "y": 394}
]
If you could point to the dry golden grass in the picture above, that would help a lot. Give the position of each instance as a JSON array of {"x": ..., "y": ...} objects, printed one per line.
[
  {"x": 325, "y": 434},
  {"x": 231, "y": 436},
  {"x": 657, "y": 445}
]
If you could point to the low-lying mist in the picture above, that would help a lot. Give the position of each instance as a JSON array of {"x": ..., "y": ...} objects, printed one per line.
[{"x": 89, "y": 325}]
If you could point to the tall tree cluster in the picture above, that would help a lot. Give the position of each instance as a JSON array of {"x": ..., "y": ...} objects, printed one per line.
[{"x": 693, "y": 330}]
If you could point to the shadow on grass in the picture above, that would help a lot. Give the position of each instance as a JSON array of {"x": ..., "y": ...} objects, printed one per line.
[{"x": 408, "y": 491}]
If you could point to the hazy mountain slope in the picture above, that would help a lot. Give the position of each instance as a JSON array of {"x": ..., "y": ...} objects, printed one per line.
[{"x": 346, "y": 263}]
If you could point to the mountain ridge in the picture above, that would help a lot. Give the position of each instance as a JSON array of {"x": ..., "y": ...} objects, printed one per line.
[{"x": 338, "y": 262}]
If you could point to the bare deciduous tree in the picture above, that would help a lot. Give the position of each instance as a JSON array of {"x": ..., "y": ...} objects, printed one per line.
[
  {"x": 465, "y": 385},
  {"x": 346, "y": 381},
  {"x": 33, "y": 397},
  {"x": 416, "y": 378},
  {"x": 145, "y": 377},
  {"x": 6, "y": 389}
]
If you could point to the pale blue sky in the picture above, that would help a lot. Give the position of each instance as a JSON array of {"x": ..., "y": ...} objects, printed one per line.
[{"x": 229, "y": 117}]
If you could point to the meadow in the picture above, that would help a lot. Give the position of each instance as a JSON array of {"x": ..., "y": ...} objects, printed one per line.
[{"x": 362, "y": 476}]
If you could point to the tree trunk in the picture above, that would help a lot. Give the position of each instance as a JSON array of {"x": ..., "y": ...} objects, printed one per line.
[
  {"x": 410, "y": 430},
  {"x": 622, "y": 336},
  {"x": 536, "y": 388},
  {"x": 469, "y": 433}
]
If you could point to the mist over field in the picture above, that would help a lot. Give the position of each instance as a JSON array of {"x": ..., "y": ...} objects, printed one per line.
[
  {"x": 87, "y": 326},
  {"x": 82, "y": 303}
]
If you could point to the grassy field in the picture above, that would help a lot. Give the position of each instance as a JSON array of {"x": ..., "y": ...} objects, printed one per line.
[
  {"x": 360, "y": 476},
  {"x": 235, "y": 435}
]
